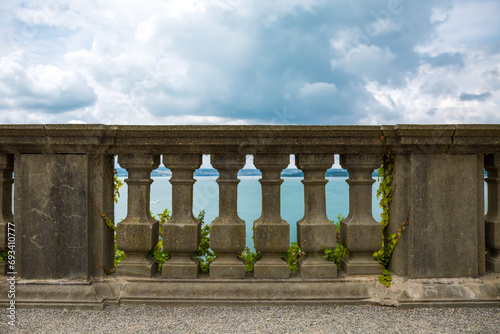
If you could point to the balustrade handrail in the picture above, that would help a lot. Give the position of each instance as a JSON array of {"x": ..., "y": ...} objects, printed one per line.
[{"x": 247, "y": 139}]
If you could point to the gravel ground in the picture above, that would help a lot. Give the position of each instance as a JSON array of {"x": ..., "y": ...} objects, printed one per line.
[{"x": 258, "y": 319}]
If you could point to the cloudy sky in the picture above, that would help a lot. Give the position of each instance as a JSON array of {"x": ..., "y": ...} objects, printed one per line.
[{"x": 250, "y": 62}]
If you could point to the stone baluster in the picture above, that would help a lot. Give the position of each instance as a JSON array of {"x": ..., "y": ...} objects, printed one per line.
[
  {"x": 492, "y": 227},
  {"x": 137, "y": 234},
  {"x": 359, "y": 232},
  {"x": 271, "y": 233},
  {"x": 227, "y": 232},
  {"x": 6, "y": 217},
  {"x": 314, "y": 230},
  {"x": 182, "y": 233}
]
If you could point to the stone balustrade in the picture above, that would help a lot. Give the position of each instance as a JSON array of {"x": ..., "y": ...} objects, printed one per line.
[
  {"x": 181, "y": 234},
  {"x": 63, "y": 186},
  {"x": 271, "y": 233},
  {"x": 360, "y": 233},
  {"x": 137, "y": 234}
]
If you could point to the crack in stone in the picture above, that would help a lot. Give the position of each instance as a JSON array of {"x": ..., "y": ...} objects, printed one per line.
[
  {"x": 34, "y": 242},
  {"x": 452, "y": 140},
  {"x": 40, "y": 212}
]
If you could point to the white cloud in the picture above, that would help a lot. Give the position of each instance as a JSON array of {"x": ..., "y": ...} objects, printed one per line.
[
  {"x": 237, "y": 62},
  {"x": 435, "y": 95},
  {"x": 317, "y": 89},
  {"x": 364, "y": 61},
  {"x": 469, "y": 93},
  {"x": 471, "y": 24},
  {"x": 41, "y": 87}
]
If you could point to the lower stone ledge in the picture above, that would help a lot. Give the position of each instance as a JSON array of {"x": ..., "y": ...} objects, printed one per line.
[
  {"x": 59, "y": 294},
  {"x": 114, "y": 291}
]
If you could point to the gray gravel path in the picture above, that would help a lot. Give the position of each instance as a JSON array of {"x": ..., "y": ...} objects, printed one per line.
[{"x": 261, "y": 319}]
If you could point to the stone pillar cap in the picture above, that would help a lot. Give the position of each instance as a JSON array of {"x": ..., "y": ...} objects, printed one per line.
[{"x": 314, "y": 161}]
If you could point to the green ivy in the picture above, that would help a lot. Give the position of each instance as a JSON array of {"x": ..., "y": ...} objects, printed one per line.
[
  {"x": 384, "y": 192},
  {"x": 250, "y": 258},
  {"x": 117, "y": 185},
  {"x": 336, "y": 255},
  {"x": 119, "y": 255},
  {"x": 383, "y": 256},
  {"x": 158, "y": 252},
  {"x": 385, "y": 278},
  {"x": 4, "y": 254},
  {"x": 204, "y": 253},
  {"x": 292, "y": 256}
]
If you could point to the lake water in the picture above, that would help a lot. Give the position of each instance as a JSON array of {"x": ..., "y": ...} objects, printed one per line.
[{"x": 206, "y": 197}]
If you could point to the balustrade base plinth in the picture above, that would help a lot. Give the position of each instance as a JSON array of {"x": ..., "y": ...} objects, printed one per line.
[
  {"x": 493, "y": 266},
  {"x": 273, "y": 267},
  {"x": 492, "y": 230},
  {"x": 360, "y": 265},
  {"x": 493, "y": 262},
  {"x": 222, "y": 268},
  {"x": 309, "y": 268},
  {"x": 182, "y": 268},
  {"x": 138, "y": 269}
]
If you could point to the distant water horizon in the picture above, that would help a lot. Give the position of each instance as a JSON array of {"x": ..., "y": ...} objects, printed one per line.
[
  {"x": 206, "y": 197},
  {"x": 288, "y": 172}
]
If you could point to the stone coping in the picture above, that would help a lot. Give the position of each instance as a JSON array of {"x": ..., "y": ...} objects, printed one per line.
[{"x": 249, "y": 139}]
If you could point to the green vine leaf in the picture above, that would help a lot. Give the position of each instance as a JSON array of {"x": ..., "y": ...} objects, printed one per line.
[
  {"x": 384, "y": 194},
  {"x": 117, "y": 185}
]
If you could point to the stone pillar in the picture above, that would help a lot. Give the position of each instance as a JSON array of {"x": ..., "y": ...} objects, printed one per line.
[
  {"x": 182, "y": 233},
  {"x": 359, "y": 232},
  {"x": 492, "y": 166},
  {"x": 442, "y": 198},
  {"x": 59, "y": 234},
  {"x": 271, "y": 233},
  {"x": 6, "y": 217},
  {"x": 227, "y": 232},
  {"x": 137, "y": 234},
  {"x": 314, "y": 230},
  {"x": 102, "y": 252}
]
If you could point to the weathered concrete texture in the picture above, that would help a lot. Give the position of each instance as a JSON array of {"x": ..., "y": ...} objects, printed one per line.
[
  {"x": 6, "y": 217},
  {"x": 248, "y": 139},
  {"x": 359, "y": 232},
  {"x": 137, "y": 234},
  {"x": 418, "y": 139},
  {"x": 182, "y": 233},
  {"x": 441, "y": 196},
  {"x": 136, "y": 238},
  {"x": 492, "y": 227},
  {"x": 113, "y": 291},
  {"x": 271, "y": 233},
  {"x": 55, "y": 216},
  {"x": 102, "y": 252},
  {"x": 227, "y": 231},
  {"x": 314, "y": 230},
  {"x": 454, "y": 292},
  {"x": 75, "y": 294}
]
